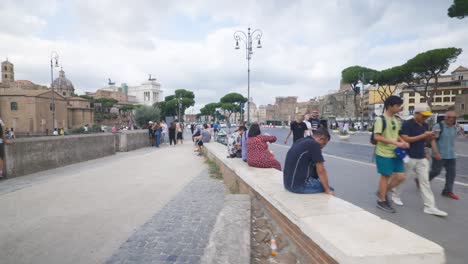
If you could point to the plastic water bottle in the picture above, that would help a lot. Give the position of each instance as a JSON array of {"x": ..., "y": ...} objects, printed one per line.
[
  {"x": 437, "y": 131},
  {"x": 401, "y": 154},
  {"x": 273, "y": 247}
]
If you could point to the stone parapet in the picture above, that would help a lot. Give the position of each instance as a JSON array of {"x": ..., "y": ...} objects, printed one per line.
[
  {"x": 324, "y": 228},
  {"x": 30, "y": 155}
]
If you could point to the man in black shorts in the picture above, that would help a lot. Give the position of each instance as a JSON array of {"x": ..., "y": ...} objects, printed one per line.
[
  {"x": 298, "y": 129},
  {"x": 304, "y": 171}
]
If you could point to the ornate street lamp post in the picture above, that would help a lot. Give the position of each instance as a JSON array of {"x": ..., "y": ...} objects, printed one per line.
[
  {"x": 248, "y": 39},
  {"x": 53, "y": 58}
]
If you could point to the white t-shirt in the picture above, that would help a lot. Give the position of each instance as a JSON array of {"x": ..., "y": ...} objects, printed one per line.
[{"x": 309, "y": 128}]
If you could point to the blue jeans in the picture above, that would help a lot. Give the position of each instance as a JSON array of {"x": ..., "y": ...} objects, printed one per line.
[
  {"x": 311, "y": 185},
  {"x": 157, "y": 137},
  {"x": 450, "y": 172}
]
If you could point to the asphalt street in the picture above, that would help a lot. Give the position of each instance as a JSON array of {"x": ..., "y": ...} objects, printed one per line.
[{"x": 355, "y": 179}]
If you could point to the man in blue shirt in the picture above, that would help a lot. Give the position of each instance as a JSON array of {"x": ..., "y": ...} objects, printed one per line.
[
  {"x": 414, "y": 131},
  {"x": 304, "y": 171},
  {"x": 443, "y": 152}
]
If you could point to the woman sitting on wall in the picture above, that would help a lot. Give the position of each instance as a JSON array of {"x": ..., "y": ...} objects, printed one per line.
[{"x": 258, "y": 154}]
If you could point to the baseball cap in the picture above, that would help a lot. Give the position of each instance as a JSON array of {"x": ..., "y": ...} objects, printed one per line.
[{"x": 423, "y": 109}]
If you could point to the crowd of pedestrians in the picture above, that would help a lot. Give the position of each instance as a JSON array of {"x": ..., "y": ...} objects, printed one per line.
[{"x": 403, "y": 149}]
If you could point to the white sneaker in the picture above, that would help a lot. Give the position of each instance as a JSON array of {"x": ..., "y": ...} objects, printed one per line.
[
  {"x": 434, "y": 211},
  {"x": 396, "y": 200}
]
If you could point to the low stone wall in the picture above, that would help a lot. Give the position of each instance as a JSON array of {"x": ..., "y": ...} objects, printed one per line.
[
  {"x": 133, "y": 139},
  {"x": 324, "y": 228},
  {"x": 30, "y": 155}
]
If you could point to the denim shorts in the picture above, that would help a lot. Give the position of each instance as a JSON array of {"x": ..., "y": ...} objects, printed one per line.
[{"x": 388, "y": 166}]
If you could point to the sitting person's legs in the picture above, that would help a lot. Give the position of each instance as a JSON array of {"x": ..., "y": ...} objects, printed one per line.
[{"x": 312, "y": 185}]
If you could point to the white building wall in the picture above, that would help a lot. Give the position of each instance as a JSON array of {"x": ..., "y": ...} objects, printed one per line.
[{"x": 147, "y": 93}]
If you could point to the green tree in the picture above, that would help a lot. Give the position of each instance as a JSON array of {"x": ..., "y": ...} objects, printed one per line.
[
  {"x": 87, "y": 97},
  {"x": 427, "y": 66},
  {"x": 146, "y": 113},
  {"x": 231, "y": 103},
  {"x": 388, "y": 81},
  {"x": 210, "y": 109},
  {"x": 105, "y": 103},
  {"x": 171, "y": 102},
  {"x": 353, "y": 76},
  {"x": 458, "y": 9}
]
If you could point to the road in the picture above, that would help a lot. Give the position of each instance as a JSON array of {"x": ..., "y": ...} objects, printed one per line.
[{"x": 355, "y": 179}]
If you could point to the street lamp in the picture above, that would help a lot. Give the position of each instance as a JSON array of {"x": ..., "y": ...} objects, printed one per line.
[
  {"x": 180, "y": 106},
  {"x": 53, "y": 58},
  {"x": 248, "y": 39}
]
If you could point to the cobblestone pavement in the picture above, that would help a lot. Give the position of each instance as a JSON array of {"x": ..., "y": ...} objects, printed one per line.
[{"x": 180, "y": 231}]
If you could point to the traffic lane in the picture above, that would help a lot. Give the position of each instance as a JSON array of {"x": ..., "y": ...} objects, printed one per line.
[
  {"x": 461, "y": 145},
  {"x": 356, "y": 182},
  {"x": 362, "y": 152}
]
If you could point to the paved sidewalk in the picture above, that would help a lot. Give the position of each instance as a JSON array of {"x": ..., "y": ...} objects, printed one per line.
[
  {"x": 181, "y": 230},
  {"x": 82, "y": 213}
]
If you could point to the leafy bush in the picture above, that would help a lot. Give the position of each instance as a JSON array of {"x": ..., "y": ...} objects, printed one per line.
[{"x": 146, "y": 113}]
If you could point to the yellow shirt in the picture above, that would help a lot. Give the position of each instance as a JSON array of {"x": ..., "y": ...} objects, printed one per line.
[{"x": 391, "y": 132}]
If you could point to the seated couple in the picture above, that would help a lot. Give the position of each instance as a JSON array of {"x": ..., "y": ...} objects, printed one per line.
[
  {"x": 304, "y": 170},
  {"x": 234, "y": 143}
]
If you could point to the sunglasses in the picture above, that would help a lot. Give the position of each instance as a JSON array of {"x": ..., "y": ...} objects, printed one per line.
[{"x": 393, "y": 125}]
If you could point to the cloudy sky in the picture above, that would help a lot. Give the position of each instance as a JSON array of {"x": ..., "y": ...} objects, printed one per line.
[{"x": 190, "y": 45}]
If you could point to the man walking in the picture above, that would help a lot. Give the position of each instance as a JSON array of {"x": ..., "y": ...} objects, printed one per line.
[
  {"x": 443, "y": 152},
  {"x": 414, "y": 131},
  {"x": 314, "y": 121},
  {"x": 304, "y": 170},
  {"x": 298, "y": 129},
  {"x": 389, "y": 166}
]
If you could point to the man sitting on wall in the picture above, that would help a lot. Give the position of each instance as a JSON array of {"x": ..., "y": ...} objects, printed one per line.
[{"x": 304, "y": 171}]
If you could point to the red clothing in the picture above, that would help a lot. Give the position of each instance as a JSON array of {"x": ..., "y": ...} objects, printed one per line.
[{"x": 258, "y": 154}]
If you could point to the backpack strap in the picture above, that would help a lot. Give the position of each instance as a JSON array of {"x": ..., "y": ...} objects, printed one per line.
[
  {"x": 441, "y": 126},
  {"x": 384, "y": 123}
]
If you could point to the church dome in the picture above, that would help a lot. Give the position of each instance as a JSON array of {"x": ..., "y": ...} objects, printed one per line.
[{"x": 63, "y": 86}]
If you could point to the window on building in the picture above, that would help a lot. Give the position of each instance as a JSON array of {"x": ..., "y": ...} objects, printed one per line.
[
  {"x": 463, "y": 106},
  {"x": 453, "y": 98},
  {"x": 64, "y": 93},
  {"x": 6, "y": 76},
  {"x": 14, "y": 106},
  {"x": 51, "y": 107},
  {"x": 411, "y": 94},
  {"x": 438, "y": 99},
  {"x": 411, "y": 101},
  {"x": 447, "y": 92},
  {"x": 460, "y": 77},
  {"x": 422, "y": 100},
  {"x": 446, "y": 99},
  {"x": 5, "y": 68},
  {"x": 411, "y": 109},
  {"x": 438, "y": 93}
]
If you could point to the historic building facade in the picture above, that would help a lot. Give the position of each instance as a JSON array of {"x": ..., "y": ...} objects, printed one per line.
[
  {"x": 28, "y": 109},
  {"x": 449, "y": 87}
]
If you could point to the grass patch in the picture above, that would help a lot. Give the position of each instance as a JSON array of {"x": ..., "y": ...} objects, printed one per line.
[{"x": 213, "y": 169}]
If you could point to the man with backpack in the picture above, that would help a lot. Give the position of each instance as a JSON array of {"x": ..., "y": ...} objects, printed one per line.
[
  {"x": 386, "y": 138},
  {"x": 443, "y": 152},
  {"x": 414, "y": 131}
]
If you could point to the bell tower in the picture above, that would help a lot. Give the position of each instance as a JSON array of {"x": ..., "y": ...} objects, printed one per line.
[{"x": 8, "y": 72}]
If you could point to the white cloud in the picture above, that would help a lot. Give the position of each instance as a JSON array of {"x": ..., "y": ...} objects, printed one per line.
[{"x": 306, "y": 43}]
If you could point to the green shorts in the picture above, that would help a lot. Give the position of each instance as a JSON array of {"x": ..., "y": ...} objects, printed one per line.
[{"x": 388, "y": 166}]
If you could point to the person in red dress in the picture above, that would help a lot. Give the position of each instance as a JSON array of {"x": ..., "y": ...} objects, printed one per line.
[{"x": 258, "y": 154}]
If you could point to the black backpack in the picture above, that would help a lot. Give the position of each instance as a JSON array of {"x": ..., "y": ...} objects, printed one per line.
[{"x": 384, "y": 126}]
